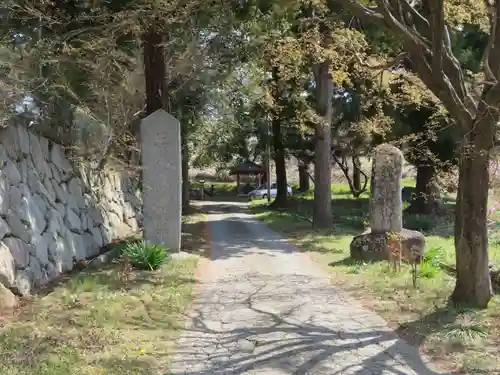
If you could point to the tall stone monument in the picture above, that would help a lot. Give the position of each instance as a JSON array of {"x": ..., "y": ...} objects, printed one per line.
[
  {"x": 162, "y": 179},
  {"x": 386, "y": 210},
  {"x": 386, "y": 201}
]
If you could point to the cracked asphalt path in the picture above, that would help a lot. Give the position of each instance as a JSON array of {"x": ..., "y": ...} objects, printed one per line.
[{"x": 264, "y": 308}]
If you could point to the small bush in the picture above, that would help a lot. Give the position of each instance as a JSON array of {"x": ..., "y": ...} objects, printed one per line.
[
  {"x": 466, "y": 328},
  {"x": 422, "y": 223},
  {"x": 428, "y": 270},
  {"x": 431, "y": 263},
  {"x": 145, "y": 256},
  {"x": 434, "y": 256}
]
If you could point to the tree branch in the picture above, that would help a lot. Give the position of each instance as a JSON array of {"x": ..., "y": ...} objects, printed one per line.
[
  {"x": 362, "y": 11},
  {"x": 494, "y": 53},
  {"x": 395, "y": 25},
  {"x": 437, "y": 25},
  {"x": 385, "y": 66},
  {"x": 432, "y": 58}
]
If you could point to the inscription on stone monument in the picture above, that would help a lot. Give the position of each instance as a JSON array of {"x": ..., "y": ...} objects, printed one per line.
[
  {"x": 386, "y": 203},
  {"x": 386, "y": 212},
  {"x": 161, "y": 177}
]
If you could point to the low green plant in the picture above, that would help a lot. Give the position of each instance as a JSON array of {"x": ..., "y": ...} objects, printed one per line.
[
  {"x": 431, "y": 263},
  {"x": 466, "y": 328},
  {"x": 435, "y": 256},
  {"x": 145, "y": 256},
  {"x": 428, "y": 270}
]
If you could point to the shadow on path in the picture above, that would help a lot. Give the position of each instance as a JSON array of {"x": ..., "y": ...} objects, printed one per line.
[{"x": 264, "y": 308}]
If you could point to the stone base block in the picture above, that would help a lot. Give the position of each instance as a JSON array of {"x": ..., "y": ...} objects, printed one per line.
[{"x": 370, "y": 246}]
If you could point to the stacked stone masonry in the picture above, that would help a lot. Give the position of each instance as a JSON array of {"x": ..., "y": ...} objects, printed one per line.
[{"x": 53, "y": 212}]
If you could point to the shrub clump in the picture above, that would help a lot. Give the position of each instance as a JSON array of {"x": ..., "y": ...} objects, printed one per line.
[{"x": 145, "y": 256}]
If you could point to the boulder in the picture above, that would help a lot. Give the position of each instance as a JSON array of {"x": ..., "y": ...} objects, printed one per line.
[
  {"x": 7, "y": 299},
  {"x": 93, "y": 247},
  {"x": 60, "y": 255},
  {"x": 4, "y": 228},
  {"x": 44, "y": 146},
  {"x": 3, "y": 156},
  {"x": 37, "y": 154},
  {"x": 74, "y": 245},
  {"x": 14, "y": 198},
  {"x": 24, "y": 140},
  {"x": 4, "y": 196},
  {"x": 46, "y": 190},
  {"x": 23, "y": 284},
  {"x": 97, "y": 235},
  {"x": 10, "y": 140},
  {"x": 32, "y": 212},
  {"x": 20, "y": 250},
  {"x": 35, "y": 273},
  {"x": 59, "y": 159},
  {"x": 72, "y": 221},
  {"x": 23, "y": 169},
  {"x": 17, "y": 227},
  {"x": 25, "y": 191},
  {"x": 370, "y": 246},
  {"x": 61, "y": 191},
  {"x": 7, "y": 265},
  {"x": 41, "y": 244},
  {"x": 56, "y": 175},
  {"x": 12, "y": 173},
  {"x": 76, "y": 191}
]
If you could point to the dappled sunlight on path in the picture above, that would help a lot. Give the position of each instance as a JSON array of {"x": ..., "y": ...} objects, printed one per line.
[{"x": 264, "y": 308}]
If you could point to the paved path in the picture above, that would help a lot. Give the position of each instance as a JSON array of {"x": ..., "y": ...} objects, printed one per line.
[{"x": 264, "y": 308}]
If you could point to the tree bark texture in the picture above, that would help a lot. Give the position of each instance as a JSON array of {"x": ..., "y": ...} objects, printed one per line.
[
  {"x": 473, "y": 285},
  {"x": 322, "y": 209},
  {"x": 279, "y": 160},
  {"x": 426, "y": 201},
  {"x": 185, "y": 169},
  {"x": 304, "y": 182},
  {"x": 356, "y": 174},
  {"x": 279, "y": 150},
  {"x": 154, "y": 70}
]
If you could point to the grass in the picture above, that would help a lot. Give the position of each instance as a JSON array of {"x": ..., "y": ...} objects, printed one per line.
[
  {"x": 98, "y": 323},
  {"x": 457, "y": 339},
  {"x": 93, "y": 325}
]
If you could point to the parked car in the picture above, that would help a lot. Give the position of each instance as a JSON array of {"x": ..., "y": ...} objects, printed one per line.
[{"x": 261, "y": 192}]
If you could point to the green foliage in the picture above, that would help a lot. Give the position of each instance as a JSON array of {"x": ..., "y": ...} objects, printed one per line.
[
  {"x": 431, "y": 263},
  {"x": 466, "y": 328},
  {"x": 427, "y": 270},
  {"x": 435, "y": 256},
  {"x": 145, "y": 256}
]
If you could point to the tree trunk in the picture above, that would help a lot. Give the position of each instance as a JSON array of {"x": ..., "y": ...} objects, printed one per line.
[
  {"x": 356, "y": 174},
  {"x": 304, "y": 183},
  {"x": 473, "y": 285},
  {"x": 154, "y": 69},
  {"x": 279, "y": 159},
  {"x": 322, "y": 210},
  {"x": 427, "y": 197},
  {"x": 279, "y": 148},
  {"x": 185, "y": 169}
]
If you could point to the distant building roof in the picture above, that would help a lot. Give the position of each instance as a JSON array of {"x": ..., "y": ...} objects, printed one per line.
[{"x": 247, "y": 167}]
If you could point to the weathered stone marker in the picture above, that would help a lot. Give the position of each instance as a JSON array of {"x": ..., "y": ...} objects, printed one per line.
[
  {"x": 161, "y": 176},
  {"x": 386, "y": 211},
  {"x": 386, "y": 201}
]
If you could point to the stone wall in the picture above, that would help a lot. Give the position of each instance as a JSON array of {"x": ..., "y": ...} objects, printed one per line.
[{"x": 53, "y": 212}]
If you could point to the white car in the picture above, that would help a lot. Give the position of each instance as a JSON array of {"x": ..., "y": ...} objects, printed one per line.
[{"x": 261, "y": 192}]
